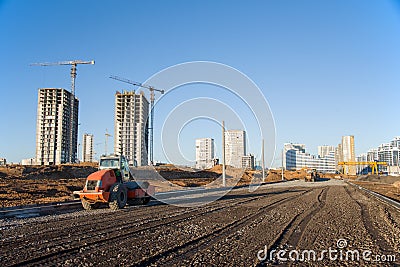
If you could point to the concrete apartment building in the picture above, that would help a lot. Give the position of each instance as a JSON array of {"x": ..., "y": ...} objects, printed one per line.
[
  {"x": 131, "y": 127},
  {"x": 54, "y": 144},
  {"x": 325, "y": 150},
  {"x": 204, "y": 153},
  {"x": 235, "y": 147},
  {"x": 390, "y": 153},
  {"x": 348, "y": 153},
  {"x": 87, "y": 148},
  {"x": 296, "y": 158},
  {"x": 248, "y": 162},
  {"x": 386, "y": 152}
]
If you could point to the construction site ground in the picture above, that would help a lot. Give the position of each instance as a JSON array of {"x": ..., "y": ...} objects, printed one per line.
[
  {"x": 236, "y": 230},
  {"x": 26, "y": 185}
]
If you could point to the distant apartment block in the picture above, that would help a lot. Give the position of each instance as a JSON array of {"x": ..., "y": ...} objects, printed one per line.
[
  {"x": 3, "y": 161},
  {"x": 390, "y": 153},
  {"x": 348, "y": 153},
  {"x": 248, "y": 162},
  {"x": 386, "y": 152},
  {"x": 87, "y": 148},
  {"x": 325, "y": 150},
  {"x": 204, "y": 153},
  {"x": 338, "y": 157},
  {"x": 372, "y": 155},
  {"x": 290, "y": 150},
  {"x": 235, "y": 147},
  {"x": 131, "y": 127},
  {"x": 296, "y": 158},
  {"x": 29, "y": 161},
  {"x": 53, "y": 127}
]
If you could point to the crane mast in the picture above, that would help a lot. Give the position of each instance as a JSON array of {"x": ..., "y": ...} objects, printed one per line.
[
  {"x": 72, "y": 131},
  {"x": 152, "y": 98}
]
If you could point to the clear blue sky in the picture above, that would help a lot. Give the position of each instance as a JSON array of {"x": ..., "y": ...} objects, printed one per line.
[{"x": 327, "y": 68}]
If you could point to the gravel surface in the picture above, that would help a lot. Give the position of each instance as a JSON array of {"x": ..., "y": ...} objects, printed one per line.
[{"x": 290, "y": 218}]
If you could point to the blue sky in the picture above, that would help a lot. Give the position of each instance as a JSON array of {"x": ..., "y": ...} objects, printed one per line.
[{"x": 327, "y": 68}]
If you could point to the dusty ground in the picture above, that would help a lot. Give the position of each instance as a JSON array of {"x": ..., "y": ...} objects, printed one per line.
[
  {"x": 385, "y": 185},
  {"x": 21, "y": 185},
  {"x": 292, "y": 216},
  {"x": 24, "y": 185}
]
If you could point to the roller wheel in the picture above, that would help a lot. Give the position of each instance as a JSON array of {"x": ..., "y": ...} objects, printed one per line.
[
  {"x": 88, "y": 206},
  {"x": 146, "y": 200},
  {"x": 118, "y": 196}
]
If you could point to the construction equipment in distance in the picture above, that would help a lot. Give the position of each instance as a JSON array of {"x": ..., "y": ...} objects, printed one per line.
[
  {"x": 152, "y": 98},
  {"x": 114, "y": 184},
  {"x": 311, "y": 175},
  {"x": 373, "y": 164},
  {"x": 73, "y": 132}
]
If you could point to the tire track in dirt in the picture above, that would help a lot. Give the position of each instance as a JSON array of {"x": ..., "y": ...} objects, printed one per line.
[
  {"x": 367, "y": 220},
  {"x": 187, "y": 250},
  {"x": 119, "y": 232},
  {"x": 90, "y": 218},
  {"x": 292, "y": 233}
]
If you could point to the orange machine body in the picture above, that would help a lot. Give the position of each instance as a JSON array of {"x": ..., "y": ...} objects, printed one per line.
[{"x": 98, "y": 184}]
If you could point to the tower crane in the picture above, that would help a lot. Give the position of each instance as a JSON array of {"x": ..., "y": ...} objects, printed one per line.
[
  {"x": 105, "y": 147},
  {"x": 152, "y": 98},
  {"x": 72, "y": 132}
]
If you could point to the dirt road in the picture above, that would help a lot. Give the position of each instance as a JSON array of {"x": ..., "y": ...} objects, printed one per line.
[{"x": 272, "y": 226}]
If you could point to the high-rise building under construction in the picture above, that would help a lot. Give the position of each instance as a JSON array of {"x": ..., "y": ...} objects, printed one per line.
[
  {"x": 53, "y": 127},
  {"x": 131, "y": 127}
]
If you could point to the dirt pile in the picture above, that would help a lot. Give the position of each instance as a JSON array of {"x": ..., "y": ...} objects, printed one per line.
[
  {"x": 189, "y": 178},
  {"x": 23, "y": 185},
  {"x": 379, "y": 179},
  {"x": 176, "y": 173},
  {"x": 47, "y": 172},
  {"x": 397, "y": 185},
  {"x": 276, "y": 175}
]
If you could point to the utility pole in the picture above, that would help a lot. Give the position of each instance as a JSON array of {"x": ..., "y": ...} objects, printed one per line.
[
  {"x": 105, "y": 147},
  {"x": 223, "y": 155},
  {"x": 263, "y": 162}
]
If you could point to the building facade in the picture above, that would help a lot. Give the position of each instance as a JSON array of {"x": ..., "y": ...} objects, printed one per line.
[
  {"x": 87, "y": 148},
  {"x": 29, "y": 161},
  {"x": 131, "y": 127},
  {"x": 386, "y": 152},
  {"x": 235, "y": 147},
  {"x": 348, "y": 154},
  {"x": 325, "y": 150},
  {"x": 296, "y": 158},
  {"x": 389, "y": 154},
  {"x": 56, "y": 134},
  {"x": 248, "y": 162},
  {"x": 204, "y": 153}
]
